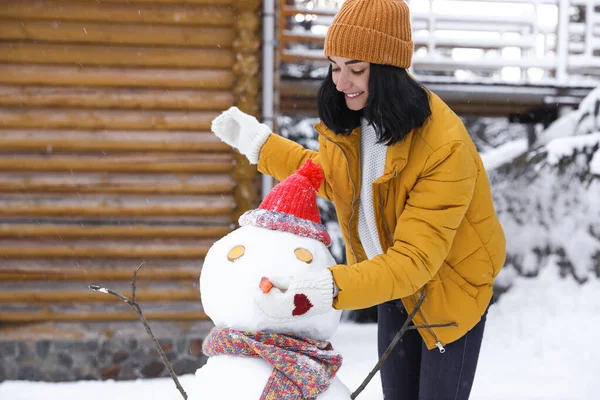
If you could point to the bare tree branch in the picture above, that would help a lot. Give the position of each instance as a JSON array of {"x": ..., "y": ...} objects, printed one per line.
[
  {"x": 395, "y": 341},
  {"x": 389, "y": 349},
  {"x": 133, "y": 288},
  {"x": 138, "y": 311}
]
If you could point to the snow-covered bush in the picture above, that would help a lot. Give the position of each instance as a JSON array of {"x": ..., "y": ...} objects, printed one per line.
[
  {"x": 548, "y": 198},
  {"x": 490, "y": 133}
]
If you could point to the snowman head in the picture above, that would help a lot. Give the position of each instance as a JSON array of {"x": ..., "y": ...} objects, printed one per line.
[{"x": 283, "y": 238}]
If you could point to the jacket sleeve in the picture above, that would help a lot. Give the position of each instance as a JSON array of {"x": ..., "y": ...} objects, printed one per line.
[
  {"x": 280, "y": 157},
  {"x": 424, "y": 233}
]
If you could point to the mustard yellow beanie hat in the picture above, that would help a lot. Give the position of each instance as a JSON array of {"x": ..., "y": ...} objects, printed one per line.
[{"x": 376, "y": 31}]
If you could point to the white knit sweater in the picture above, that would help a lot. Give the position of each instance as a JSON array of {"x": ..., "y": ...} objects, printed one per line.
[{"x": 372, "y": 164}]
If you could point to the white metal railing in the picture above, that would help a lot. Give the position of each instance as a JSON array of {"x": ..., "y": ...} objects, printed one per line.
[{"x": 553, "y": 42}]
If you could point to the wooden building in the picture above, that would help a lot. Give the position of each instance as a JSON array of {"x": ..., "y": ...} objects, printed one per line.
[{"x": 107, "y": 161}]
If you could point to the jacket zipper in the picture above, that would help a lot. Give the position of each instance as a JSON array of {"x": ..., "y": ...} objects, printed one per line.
[
  {"x": 353, "y": 196},
  {"x": 385, "y": 227}
]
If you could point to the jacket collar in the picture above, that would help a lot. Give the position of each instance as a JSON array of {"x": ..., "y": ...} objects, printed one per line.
[
  {"x": 342, "y": 140},
  {"x": 396, "y": 156}
]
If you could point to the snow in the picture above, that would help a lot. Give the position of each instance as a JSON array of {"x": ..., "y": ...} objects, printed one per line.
[
  {"x": 582, "y": 121},
  {"x": 540, "y": 341},
  {"x": 503, "y": 154},
  {"x": 565, "y": 125},
  {"x": 566, "y": 146},
  {"x": 595, "y": 164},
  {"x": 540, "y": 344}
]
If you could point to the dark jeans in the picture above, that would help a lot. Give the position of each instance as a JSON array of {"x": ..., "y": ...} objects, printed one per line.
[{"x": 412, "y": 372}]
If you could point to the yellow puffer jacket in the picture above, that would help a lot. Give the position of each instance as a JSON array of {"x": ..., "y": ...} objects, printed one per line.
[{"x": 436, "y": 221}]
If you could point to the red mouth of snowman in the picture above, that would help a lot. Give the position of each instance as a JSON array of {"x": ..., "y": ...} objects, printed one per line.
[{"x": 301, "y": 305}]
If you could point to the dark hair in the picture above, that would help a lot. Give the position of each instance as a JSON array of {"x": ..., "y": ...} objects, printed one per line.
[{"x": 396, "y": 105}]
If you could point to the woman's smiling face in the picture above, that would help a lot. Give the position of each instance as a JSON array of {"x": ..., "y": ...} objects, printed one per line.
[{"x": 352, "y": 78}]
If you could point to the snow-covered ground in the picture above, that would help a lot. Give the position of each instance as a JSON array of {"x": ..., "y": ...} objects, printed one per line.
[{"x": 541, "y": 343}]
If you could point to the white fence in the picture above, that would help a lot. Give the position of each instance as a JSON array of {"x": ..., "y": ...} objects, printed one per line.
[{"x": 547, "y": 42}]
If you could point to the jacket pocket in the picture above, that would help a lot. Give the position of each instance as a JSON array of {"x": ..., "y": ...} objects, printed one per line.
[{"x": 449, "y": 273}]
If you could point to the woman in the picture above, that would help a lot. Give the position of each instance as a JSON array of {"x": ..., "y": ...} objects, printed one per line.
[{"x": 412, "y": 198}]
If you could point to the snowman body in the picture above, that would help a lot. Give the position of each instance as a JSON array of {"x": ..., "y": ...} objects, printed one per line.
[{"x": 229, "y": 286}]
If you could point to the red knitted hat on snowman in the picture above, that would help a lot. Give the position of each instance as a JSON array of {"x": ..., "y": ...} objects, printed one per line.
[{"x": 291, "y": 206}]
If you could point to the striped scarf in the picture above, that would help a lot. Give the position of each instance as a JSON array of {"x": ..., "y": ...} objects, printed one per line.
[{"x": 303, "y": 368}]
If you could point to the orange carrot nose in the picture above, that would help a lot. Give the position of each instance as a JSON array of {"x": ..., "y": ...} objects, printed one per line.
[{"x": 265, "y": 285}]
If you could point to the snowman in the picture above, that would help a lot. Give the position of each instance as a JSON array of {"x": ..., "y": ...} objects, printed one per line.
[{"x": 270, "y": 337}]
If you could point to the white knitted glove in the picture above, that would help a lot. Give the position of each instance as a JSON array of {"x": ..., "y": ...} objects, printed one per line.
[
  {"x": 241, "y": 131},
  {"x": 304, "y": 295}
]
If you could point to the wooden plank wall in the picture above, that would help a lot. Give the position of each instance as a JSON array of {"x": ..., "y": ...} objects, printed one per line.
[{"x": 106, "y": 155}]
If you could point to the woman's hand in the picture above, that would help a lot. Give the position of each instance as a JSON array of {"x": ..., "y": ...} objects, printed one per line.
[
  {"x": 241, "y": 131},
  {"x": 302, "y": 295}
]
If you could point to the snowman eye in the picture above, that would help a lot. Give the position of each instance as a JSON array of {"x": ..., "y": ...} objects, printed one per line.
[
  {"x": 303, "y": 255},
  {"x": 236, "y": 253}
]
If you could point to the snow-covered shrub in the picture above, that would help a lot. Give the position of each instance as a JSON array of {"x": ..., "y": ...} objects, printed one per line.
[
  {"x": 548, "y": 198},
  {"x": 489, "y": 133}
]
